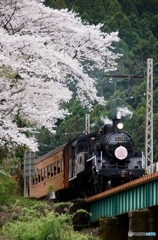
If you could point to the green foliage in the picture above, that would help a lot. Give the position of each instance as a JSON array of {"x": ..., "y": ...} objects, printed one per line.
[
  {"x": 7, "y": 189},
  {"x": 114, "y": 8},
  {"x": 155, "y": 137},
  {"x": 154, "y": 25},
  {"x": 59, "y": 4},
  {"x": 51, "y": 188},
  {"x": 128, "y": 6},
  {"x": 98, "y": 11},
  {"x": 30, "y": 203},
  {"x": 46, "y": 227}
]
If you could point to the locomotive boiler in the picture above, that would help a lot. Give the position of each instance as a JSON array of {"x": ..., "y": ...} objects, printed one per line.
[{"x": 104, "y": 159}]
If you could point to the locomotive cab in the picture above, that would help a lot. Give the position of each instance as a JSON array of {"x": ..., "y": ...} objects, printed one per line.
[{"x": 80, "y": 154}]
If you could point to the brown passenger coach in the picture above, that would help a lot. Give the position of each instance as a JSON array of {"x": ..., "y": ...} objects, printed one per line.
[{"x": 51, "y": 169}]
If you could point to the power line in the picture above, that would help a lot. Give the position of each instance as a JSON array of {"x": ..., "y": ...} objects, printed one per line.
[
  {"x": 122, "y": 76},
  {"x": 136, "y": 75}
]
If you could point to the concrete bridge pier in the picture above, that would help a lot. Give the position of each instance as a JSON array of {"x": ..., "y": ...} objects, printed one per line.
[
  {"x": 136, "y": 225},
  {"x": 114, "y": 228},
  {"x": 143, "y": 224}
]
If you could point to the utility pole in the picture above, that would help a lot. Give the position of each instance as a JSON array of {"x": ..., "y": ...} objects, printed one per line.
[
  {"x": 149, "y": 117},
  {"x": 29, "y": 170}
]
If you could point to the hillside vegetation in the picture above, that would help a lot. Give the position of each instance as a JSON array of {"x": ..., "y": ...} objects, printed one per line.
[
  {"x": 137, "y": 24},
  {"x": 30, "y": 219}
]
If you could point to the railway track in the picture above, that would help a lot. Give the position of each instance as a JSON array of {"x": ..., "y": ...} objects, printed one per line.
[{"x": 123, "y": 187}]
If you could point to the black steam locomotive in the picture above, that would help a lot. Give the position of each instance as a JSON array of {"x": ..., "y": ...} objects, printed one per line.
[{"x": 103, "y": 160}]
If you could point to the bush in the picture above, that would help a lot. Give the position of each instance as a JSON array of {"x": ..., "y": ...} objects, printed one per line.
[
  {"x": 44, "y": 228},
  {"x": 7, "y": 189}
]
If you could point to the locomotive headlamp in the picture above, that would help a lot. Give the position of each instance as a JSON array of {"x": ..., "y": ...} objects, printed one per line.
[
  {"x": 120, "y": 126},
  {"x": 121, "y": 153}
]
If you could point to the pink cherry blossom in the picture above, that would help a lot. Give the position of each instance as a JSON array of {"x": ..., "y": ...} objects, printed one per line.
[{"x": 42, "y": 52}]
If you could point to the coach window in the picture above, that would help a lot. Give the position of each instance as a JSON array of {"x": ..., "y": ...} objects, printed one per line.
[
  {"x": 51, "y": 170},
  {"x": 42, "y": 174},
  {"x": 48, "y": 171},
  {"x": 62, "y": 165},
  {"x": 39, "y": 176},
  {"x": 58, "y": 166},
  {"x": 55, "y": 168},
  {"x": 45, "y": 172},
  {"x": 34, "y": 179}
]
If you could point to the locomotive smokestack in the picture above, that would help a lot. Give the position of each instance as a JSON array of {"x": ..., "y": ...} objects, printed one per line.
[
  {"x": 107, "y": 128},
  {"x": 115, "y": 122}
]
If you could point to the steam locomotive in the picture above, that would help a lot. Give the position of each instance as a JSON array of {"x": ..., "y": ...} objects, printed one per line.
[{"x": 88, "y": 165}]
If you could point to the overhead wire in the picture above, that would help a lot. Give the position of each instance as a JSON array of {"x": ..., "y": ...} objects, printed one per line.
[
  {"x": 144, "y": 72},
  {"x": 134, "y": 84}
]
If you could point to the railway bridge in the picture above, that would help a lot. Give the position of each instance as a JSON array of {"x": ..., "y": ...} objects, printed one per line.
[{"x": 128, "y": 211}]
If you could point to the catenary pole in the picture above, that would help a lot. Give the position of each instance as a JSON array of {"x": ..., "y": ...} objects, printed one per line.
[{"x": 149, "y": 117}]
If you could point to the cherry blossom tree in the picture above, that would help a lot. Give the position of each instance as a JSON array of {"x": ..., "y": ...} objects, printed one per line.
[{"x": 43, "y": 51}]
